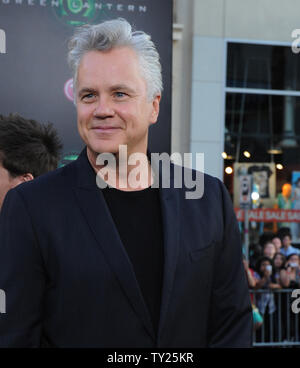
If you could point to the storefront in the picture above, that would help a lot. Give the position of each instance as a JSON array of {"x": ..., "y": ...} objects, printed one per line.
[{"x": 262, "y": 132}]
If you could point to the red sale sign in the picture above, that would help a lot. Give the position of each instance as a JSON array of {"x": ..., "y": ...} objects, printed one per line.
[{"x": 269, "y": 215}]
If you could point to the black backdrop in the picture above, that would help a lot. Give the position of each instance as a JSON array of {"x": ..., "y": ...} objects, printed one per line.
[{"x": 34, "y": 70}]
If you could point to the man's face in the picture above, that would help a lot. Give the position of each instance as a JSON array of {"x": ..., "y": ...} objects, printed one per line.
[
  {"x": 286, "y": 241},
  {"x": 112, "y": 104},
  {"x": 7, "y": 182}
]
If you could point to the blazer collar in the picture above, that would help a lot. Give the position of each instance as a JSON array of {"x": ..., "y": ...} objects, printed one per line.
[{"x": 95, "y": 211}]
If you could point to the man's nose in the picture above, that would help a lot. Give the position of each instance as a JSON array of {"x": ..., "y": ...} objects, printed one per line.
[{"x": 104, "y": 109}]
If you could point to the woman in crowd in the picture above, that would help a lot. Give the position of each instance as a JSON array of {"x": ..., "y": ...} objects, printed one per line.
[
  {"x": 265, "y": 301},
  {"x": 277, "y": 242},
  {"x": 269, "y": 250},
  {"x": 265, "y": 280}
]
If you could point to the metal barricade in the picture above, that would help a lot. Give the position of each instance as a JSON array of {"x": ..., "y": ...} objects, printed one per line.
[{"x": 281, "y": 325}]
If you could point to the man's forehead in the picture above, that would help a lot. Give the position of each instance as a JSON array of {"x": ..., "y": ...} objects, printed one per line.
[
  {"x": 115, "y": 57},
  {"x": 113, "y": 73}
]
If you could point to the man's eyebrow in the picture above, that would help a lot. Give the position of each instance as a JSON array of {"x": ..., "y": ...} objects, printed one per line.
[
  {"x": 124, "y": 87},
  {"x": 86, "y": 90}
]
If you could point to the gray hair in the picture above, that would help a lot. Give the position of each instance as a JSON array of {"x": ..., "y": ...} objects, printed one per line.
[{"x": 116, "y": 33}]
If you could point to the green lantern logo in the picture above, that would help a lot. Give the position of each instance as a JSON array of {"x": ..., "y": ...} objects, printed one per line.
[{"x": 78, "y": 12}]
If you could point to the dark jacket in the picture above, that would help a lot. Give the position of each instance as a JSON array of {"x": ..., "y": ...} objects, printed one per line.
[{"x": 69, "y": 282}]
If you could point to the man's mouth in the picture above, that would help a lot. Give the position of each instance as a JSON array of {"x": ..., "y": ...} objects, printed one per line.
[{"x": 106, "y": 129}]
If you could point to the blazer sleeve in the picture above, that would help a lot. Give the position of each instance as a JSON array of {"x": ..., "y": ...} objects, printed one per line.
[
  {"x": 231, "y": 313},
  {"x": 22, "y": 276}
]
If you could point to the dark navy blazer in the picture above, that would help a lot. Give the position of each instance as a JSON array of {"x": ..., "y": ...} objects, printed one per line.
[{"x": 69, "y": 282}]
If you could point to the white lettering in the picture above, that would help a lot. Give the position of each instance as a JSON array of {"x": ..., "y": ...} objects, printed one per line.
[
  {"x": 131, "y": 8},
  {"x": 2, "y": 42},
  {"x": 296, "y": 42},
  {"x": 107, "y": 174},
  {"x": 126, "y": 358},
  {"x": 2, "y": 301},
  {"x": 55, "y": 3},
  {"x": 98, "y": 6},
  {"x": 142, "y": 9},
  {"x": 86, "y": 5},
  {"x": 198, "y": 183},
  {"x": 138, "y": 176},
  {"x": 296, "y": 303}
]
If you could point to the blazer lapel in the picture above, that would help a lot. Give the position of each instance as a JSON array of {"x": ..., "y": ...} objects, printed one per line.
[
  {"x": 171, "y": 224},
  {"x": 98, "y": 217}
]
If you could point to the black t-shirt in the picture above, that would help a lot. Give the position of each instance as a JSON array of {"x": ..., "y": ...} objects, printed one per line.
[{"x": 137, "y": 216}]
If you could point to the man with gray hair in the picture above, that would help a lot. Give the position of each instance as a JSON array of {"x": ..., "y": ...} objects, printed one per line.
[{"x": 121, "y": 266}]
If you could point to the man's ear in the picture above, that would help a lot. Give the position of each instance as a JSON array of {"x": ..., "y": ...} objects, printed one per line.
[
  {"x": 155, "y": 109},
  {"x": 20, "y": 179},
  {"x": 26, "y": 177}
]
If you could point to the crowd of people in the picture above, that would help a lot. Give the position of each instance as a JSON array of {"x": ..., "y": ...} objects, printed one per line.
[{"x": 273, "y": 264}]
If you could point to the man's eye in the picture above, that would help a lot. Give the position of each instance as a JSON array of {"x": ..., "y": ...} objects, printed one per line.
[
  {"x": 88, "y": 96},
  {"x": 120, "y": 94}
]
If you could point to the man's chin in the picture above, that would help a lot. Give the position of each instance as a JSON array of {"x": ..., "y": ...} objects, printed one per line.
[{"x": 106, "y": 148}]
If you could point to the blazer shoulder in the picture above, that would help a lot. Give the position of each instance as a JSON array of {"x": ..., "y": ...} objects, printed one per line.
[{"x": 55, "y": 180}]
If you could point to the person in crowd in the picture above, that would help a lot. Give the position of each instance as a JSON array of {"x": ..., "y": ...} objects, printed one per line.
[
  {"x": 264, "y": 274},
  {"x": 265, "y": 237},
  {"x": 249, "y": 273},
  {"x": 257, "y": 318},
  {"x": 28, "y": 149},
  {"x": 287, "y": 247},
  {"x": 255, "y": 252},
  {"x": 269, "y": 250},
  {"x": 265, "y": 280},
  {"x": 296, "y": 206},
  {"x": 277, "y": 242},
  {"x": 279, "y": 267},
  {"x": 291, "y": 277},
  {"x": 265, "y": 301}
]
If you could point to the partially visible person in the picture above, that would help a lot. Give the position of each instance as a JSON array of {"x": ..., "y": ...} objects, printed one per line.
[
  {"x": 287, "y": 247},
  {"x": 277, "y": 242},
  {"x": 265, "y": 301},
  {"x": 264, "y": 275},
  {"x": 293, "y": 271},
  {"x": 295, "y": 227},
  {"x": 279, "y": 267},
  {"x": 27, "y": 149},
  {"x": 256, "y": 316},
  {"x": 290, "y": 280},
  {"x": 265, "y": 280},
  {"x": 284, "y": 201},
  {"x": 255, "y": 252},
  {"x": 250, "y": 274},
  {"x": 265, "y": 237},
  {"x": 269, "y": 250}
]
